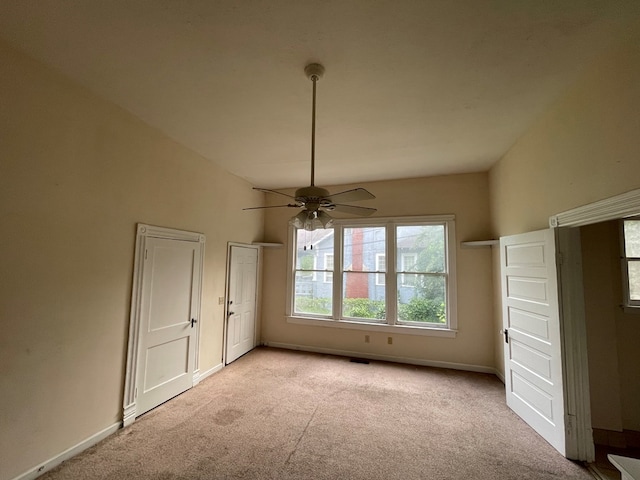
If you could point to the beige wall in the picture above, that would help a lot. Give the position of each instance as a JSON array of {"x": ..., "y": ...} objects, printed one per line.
[
  {"x": 585, "y": 148},
  {"x": 76, "y": 175},
  {"x": 612, "y": 334},
  {"x": 466, "y": 196}
]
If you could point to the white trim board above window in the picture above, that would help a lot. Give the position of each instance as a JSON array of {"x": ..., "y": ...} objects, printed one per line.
[{"x": 388, "y": 274}]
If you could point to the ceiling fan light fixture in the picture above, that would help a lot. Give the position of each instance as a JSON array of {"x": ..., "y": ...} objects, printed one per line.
[{"x": 312, "y": 220}]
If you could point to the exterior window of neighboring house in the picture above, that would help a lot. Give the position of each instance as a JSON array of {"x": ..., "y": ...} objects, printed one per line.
[
  {"x": 380, "y": 269},
  {"x": 409, "y": 261},
  {"x": 631, "y": 263},
  {"x": 328, "y": 266},
  {"x": 391, "y": 272}
]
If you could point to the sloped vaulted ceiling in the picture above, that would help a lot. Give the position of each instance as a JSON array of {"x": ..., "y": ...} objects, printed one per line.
[{"x": 412, "y": 88}]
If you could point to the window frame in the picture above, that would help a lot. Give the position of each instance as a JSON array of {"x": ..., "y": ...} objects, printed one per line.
[
  {"x": 629, "y": 305},
  {"x": 391, "y": 324}
]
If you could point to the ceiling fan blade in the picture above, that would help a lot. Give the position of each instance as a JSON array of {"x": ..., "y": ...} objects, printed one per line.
[
  {"x": 272, "y": 206},
  {"x": 266, "y": 190},
  {"x": 353, "y": 210},
  {"x": 354, "y": 195}
]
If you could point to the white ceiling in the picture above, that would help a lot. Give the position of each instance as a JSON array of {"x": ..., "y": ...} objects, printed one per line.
[{"x": 412, "y": 88}]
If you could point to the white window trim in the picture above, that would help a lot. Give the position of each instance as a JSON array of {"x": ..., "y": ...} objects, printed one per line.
[
  {"x": 449, "y": 330},
  {"x": 629, "y": 305}
]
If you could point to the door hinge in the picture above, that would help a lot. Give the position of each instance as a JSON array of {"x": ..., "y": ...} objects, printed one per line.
[
  {"x": 559, "y": 258},
  {"x": 135, "y": 394},
  {"x": 145, "y": 253}
]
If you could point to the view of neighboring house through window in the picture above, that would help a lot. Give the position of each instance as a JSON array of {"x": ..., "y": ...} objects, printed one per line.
[
  {"x": 313, "y": 295},
  {"x": 631, "y": 262},
  {"x": 388, "y": 271},
  {"x": 422, "y": 273},
  {"x": 363, "y": 265}
]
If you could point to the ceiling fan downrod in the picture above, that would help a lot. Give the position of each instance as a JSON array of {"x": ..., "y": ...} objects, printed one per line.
[{"x": 314, "y": 72}]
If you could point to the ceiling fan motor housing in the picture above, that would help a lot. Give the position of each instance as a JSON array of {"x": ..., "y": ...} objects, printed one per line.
[{"x": 311, "y": 197}]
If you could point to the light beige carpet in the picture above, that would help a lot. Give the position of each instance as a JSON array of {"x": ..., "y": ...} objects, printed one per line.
[{"x": 276, "y": 414}]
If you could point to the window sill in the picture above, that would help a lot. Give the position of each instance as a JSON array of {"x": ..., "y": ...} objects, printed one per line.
[
  {"x": 632, "y": 309},
  {"x": 374, "y": 327}
]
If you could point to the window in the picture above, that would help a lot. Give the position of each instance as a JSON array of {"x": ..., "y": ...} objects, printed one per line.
[
  {"x": 311, "y": 296},
  {"x": 631, "y": 262},
  {"x": 393, "y": 273}
]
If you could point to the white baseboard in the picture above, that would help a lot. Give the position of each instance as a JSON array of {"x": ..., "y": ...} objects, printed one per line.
[
  {"x": 385, "y": 358},
  {"x": 208, "y": 373},
  {"x": 67, "y": 454},
  {"x": 498, "y": 374}
]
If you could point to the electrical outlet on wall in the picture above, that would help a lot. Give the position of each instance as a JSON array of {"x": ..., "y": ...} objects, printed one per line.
[
  {"x": 367, "y": 339},
  {"x": 390, "y": 340},
  {"x": 220, "y": 300}
]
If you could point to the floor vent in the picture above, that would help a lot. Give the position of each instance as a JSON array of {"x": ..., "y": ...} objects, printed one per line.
[{"x": 360, "y": 360}]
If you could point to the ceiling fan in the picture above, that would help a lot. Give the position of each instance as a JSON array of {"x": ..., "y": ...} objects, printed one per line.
[{"x": 314, "y": 201}]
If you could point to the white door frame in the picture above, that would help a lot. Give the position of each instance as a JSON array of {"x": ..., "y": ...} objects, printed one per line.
[
  {"x": 144, "y": 232},
  {"x": 580, "y": 445},
  {"x": 256, "y": 339}
]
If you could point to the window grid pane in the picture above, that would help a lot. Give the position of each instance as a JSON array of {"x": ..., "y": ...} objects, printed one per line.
[
  {"x": 426, "y": 303},
  {"x": 633, "y": 268},
  {"x": 425, "y": 243},
  {"x": 632, "y": 238},
  {"x": 360, "y": 298},
  {"x": 363, "y": 280}
]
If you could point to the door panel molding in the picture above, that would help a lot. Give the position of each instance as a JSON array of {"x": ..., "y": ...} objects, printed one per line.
[{"x": 143, "y": 233}]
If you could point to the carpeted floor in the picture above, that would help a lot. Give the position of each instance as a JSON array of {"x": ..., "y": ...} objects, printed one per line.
[{"x": 276, "y": 414}]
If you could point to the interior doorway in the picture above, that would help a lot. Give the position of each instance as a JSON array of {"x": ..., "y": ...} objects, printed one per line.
[
  {"x": 162, "y": 356},
  {"x": 612, "y": 338},
  {"x": 587, "y": 298},
  {"x": 241, "y": 311}
]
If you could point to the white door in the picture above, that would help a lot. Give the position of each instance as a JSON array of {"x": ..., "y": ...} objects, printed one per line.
[
  {"x": 169, "y": 306},
  {"x": 241, "y": 301},
  {"x": 532, "y": 354}
]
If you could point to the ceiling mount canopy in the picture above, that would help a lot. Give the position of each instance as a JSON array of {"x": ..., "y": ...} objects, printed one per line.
[{"x": 317, "y": 201}]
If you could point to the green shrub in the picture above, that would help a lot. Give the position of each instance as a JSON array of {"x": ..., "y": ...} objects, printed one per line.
[
  {"x": 363, "y": 308},
  {"x": 423, "y": 310},
  {"x": 320, "y": 306}
]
